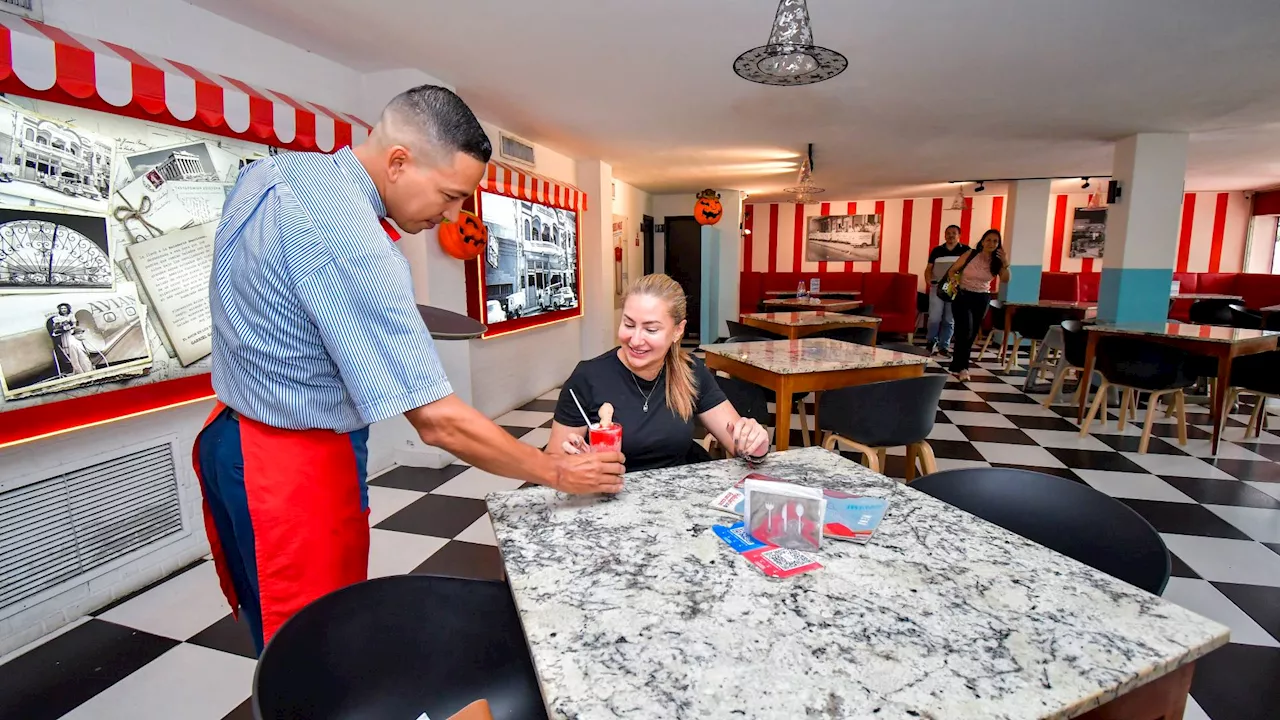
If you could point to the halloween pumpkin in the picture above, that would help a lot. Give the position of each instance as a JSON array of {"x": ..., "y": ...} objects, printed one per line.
[
  {"x": 707, "y": 210},
  {"x": 465, "y": 238}
]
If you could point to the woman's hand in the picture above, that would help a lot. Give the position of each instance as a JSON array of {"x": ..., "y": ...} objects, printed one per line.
[
  {"x": 575, "y": 445},
  {"x": 749, "y": 438}
]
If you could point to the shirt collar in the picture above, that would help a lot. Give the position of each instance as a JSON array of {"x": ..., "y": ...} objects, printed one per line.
[{"x": 350, "y": 165}]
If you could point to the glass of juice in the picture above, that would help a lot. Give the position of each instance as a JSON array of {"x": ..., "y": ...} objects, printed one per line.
[{"x": 606, "y": 439}]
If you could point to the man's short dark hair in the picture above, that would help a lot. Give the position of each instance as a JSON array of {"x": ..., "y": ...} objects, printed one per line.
[
  {"x": 444, "y": 119},
  {"x": 949, "y": 227}
]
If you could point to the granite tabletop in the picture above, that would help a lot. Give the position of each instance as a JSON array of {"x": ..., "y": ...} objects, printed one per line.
[
  {"x": 634, "y": 609},
  {"x": 1207, "y": 333},
  {"x": 817, "y": 303},
  {"x": 812, "y": 355},
  {"x": 1063, "y": 304},
  {"x": 820, "y": 293},
  {"x": 1205, "y": 296},
  {"x": 812, "y": 317}
]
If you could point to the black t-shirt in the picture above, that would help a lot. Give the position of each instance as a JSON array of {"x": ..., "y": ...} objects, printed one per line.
[
  {"x": 654, "y": 439},
  {"x": 943, "y": 259}
]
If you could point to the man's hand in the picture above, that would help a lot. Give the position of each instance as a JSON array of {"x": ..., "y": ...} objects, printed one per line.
[{"x": 587, "y": 473}]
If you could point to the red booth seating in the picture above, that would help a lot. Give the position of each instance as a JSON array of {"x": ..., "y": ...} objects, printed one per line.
[
  {"x": 1259, "y": 290},
  {"x": 892, "y": 294}
]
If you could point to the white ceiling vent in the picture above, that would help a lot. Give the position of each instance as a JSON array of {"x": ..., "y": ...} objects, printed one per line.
[
  {"x": 26, "y": 8},
  {"x": 516, "y": 150},
  {"x": 57, "y": 529}
]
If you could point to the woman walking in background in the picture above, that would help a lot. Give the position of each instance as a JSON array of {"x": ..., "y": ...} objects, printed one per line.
[{"x": 977, "y": 272}]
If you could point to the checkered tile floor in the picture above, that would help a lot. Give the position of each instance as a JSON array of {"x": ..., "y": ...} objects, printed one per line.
[{"x": 173, "y": 650}]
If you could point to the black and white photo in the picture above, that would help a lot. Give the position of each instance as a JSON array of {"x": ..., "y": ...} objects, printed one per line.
[
  {"x": 50, "y": 343},
  {"x": 44, "y": 251},
  {"x": 1088, "y": 233},
  {"x": 532, "y": 258},
  {"x": 843, "y": 238},
  {"x": 51, "y": 164}
]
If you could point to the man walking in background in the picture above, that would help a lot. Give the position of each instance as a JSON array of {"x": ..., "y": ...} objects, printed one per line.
[
  {"x": 941, "y": 323},
  {"x": 316, "y": 336}
]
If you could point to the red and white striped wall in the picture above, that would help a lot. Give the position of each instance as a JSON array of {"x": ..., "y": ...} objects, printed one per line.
[
  {"x": 912, "y": 227},
  {"x": 1211, "y": 233}
]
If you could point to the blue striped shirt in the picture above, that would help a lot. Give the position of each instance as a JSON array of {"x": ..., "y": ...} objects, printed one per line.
[{"x": 314, "y": 320}]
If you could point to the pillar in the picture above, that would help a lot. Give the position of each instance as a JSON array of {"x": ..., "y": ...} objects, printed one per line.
[
  {"x": 1142, "y": 228},
  {"x": 1025, "y": 221},
  {"x": 595, "y": 178},
  {"x": 710, "y": 285}
]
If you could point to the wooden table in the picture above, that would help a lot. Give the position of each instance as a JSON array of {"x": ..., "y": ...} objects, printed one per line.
[
  {"x": 827, "y": 304},
  {"x": 809, "y": 365},
  {"x": 1223, "y": 343},
  {"x": 1074, "y": 309},
  {"x": 820, "y": 293},
  {"x": 795, "y": 325},
  {"x": 632, "y": 608},
  {"x": 1204, "y": 296}
]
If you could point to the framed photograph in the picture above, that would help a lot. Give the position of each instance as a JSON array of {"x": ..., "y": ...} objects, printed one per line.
[
  {"x": 50, "y": 343},
  {"x": 843, "y": 238},
  {"x": 51, "y": 164},
  {"x": 530, "y": 273},
  {"x": 1088, "y": 233},
  {"x": 47, "y": 251}
]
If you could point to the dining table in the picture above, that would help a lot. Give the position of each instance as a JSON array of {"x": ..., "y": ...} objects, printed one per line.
[
  {"x": 790, "y": 367},
  {"x": 798, "y": 324},
  {"x": 1224, "y": 344},
  {"x": 819, "y": 293},
  {"x": 1070, "y": 310},
  {"x": 828, "y": 304},
  {"x": 633, "y": 608}
]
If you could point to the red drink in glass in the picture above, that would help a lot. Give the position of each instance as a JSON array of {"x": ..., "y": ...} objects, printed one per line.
[{"x": 606, "y": 439}]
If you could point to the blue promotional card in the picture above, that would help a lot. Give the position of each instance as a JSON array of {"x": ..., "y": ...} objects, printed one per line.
[{"x": 737, "y": 537}]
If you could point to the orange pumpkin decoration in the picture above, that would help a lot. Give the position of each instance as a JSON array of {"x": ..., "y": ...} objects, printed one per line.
[
  {"x": 707, "y": 210},
  {"x": 464, "y": 239}
]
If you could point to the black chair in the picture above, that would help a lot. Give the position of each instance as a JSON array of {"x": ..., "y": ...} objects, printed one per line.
[
  {"x": 1031, "y": 323},
  {"x": 853, "y": 334},
  {"x": 1244, "y": 319},
  {"x": 1075, "y": 343},
  {"x": 881, "y": 415},
  {"x": 745, "y": 339},
  {"x": 397, "y": 647},
  {"x": 922, "y": 311},
  {"x": 737, "y": 329},
  {"x": 995, "y": 314},
  {"x": 1063, "y": 515},
  {"x": 1257, "y": 375},
  {"x": 1211, "y": 312},
  {"x": 1272, "y": 322},
  {"x": 1136, "y": 366}
]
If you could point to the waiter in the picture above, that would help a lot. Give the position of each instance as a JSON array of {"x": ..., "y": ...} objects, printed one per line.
[{"x": 316, "y": 336}]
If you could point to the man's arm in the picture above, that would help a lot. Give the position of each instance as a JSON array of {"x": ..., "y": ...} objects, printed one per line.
[
  {"x": 459, "y": 428},
  {"x": 928, "y": 273}
]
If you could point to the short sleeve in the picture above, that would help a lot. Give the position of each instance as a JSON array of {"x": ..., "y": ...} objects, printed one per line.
[
  {"x": 709, "y": 393},
  {"x": 567, "y": 412},
  {"x": 363, "y": 307}
]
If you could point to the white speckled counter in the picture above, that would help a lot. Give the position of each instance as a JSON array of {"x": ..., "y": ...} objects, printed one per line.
[
  {"x": 633, "y": 609},
  {"x": 812, "y": 355}
]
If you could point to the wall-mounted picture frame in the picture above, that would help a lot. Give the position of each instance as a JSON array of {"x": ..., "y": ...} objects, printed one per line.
[
  {"x": 843, "y": 238},
  {"x": 1089, "y": 233}
]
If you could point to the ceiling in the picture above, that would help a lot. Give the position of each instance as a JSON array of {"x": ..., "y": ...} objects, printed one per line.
[{"x": 935, "y": 91}]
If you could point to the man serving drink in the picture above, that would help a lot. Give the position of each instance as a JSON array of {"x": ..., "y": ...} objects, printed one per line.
[{"x": 316, "y": 336}]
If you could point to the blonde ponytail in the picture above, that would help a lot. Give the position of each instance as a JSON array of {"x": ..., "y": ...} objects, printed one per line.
[{"x": 677, "y": 364}]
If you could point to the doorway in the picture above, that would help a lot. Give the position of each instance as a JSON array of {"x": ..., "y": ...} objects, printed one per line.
[
  {"x": 646, "y": 232},
  {"x": 684, "y": 265}
]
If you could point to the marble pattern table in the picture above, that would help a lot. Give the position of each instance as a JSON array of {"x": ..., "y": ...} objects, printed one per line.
[
  {"x": 820, "y": 293},
  {"x": 633, "y": 609},
  {"x": 808, "y": 365},
  {"x": 795, "y": 325},
  {"x": 1070, "y": 310},
  {"x": 827, "y": 304},
  {"x": 1222, "y": 343}
]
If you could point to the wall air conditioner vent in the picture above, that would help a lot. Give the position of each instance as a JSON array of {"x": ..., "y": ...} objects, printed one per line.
[
  {"x": 517, "y": 150},
  {"x": 57, "y": 529},
  {"x": 26, "y": 8}
]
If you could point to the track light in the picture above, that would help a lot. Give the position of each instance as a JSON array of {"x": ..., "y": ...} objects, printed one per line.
[
  {"x": 1085, "y": 186},
  {"x": 981, "y": 186}
]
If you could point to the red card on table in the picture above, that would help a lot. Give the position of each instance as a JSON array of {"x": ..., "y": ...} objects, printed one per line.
[{"x": 777, "y": 562}]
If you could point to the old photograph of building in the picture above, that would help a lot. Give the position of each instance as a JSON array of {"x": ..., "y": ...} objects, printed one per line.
[
  {"x": 185, "y": 163},
  {"x": 47, "y": 163},
  {"x": 532, "y": 258}
]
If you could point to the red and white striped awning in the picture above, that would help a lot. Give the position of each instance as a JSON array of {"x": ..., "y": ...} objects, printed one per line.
[
  {"x": 508, "y": 180},
  {"x": 46, "y": 62}
]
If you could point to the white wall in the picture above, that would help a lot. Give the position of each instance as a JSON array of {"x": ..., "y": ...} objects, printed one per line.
[
  {"x": 1262, "y": 244},
  {"x": 632, "y": 204},
  {"x": 730, "y": 244}
]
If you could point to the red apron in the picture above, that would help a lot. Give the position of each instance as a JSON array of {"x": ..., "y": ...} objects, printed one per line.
[{"x": 311, "y": 534}]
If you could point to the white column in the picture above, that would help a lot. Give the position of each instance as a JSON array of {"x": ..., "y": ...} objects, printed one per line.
[
  {"x": 595, "y": 178},
  {"x": 1024, "y": 238}
]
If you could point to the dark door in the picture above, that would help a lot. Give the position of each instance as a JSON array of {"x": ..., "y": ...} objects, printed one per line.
[
  {"x": 684, "y": 265},
  {"x": 646, "y": 231}
]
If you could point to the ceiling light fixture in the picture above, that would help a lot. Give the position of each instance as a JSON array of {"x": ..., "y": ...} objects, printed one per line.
[
  {"x": 1085, "y": 186},
  {"x": 805, "y": 191},
  {"x": 790, "y": 57},
  {"x": 982, "y": 185}
]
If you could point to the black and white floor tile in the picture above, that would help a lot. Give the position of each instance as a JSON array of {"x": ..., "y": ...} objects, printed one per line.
[{"x": 173, "y": 650}]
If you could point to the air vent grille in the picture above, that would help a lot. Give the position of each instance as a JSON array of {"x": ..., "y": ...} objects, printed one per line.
[
  {"x": 26, "y": 8},
  {"x": 513, "y": 148}
]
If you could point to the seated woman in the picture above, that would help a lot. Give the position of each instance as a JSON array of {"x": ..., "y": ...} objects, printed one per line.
[{"x": 655, "y": 388}]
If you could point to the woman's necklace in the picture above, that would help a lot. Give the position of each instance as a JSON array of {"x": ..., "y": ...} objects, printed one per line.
[{"x": 642, "y": 393}]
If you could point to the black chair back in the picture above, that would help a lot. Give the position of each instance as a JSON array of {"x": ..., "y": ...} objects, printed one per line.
[
  {"x": 397, "y": 647},
  {"x": 883, "y": 414},
  {"x": 922, "y": 302},
  {"x": 1034, "y": 322},
  {"x": 1242, "y": 318},
  {"x": 855, "y": 335},
  {"x": 1075, "y": 342},
  {"x": 1272, "y": 322},
  {"x": 1211, "y": 312},
  {"x": 1143, "y": 364},
  {"x": 996, "y": 314},
  {"x": 737, "y": 329},
  {"x": 746, "y": 338},
  {"x": 1063, "y": 515},
  {"x": 750, "y": 400}
]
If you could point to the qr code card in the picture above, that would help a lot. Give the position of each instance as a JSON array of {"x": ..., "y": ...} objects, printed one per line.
[
  {"x": 777, "y": 562},
  {"x": 737, "y": 537}
]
